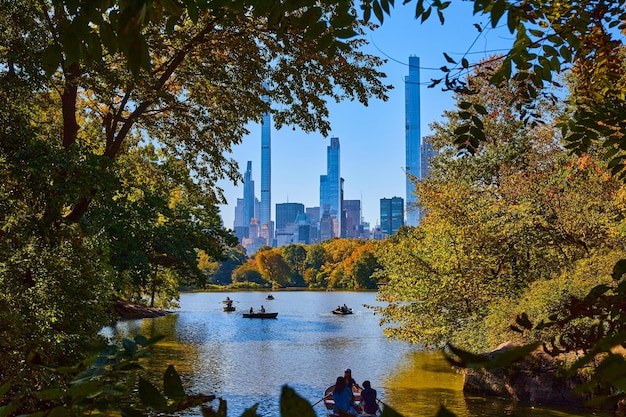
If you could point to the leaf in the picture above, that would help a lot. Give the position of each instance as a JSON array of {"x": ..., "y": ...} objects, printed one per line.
[
  {"x": 447, "y": 57},
  {"x": 523, "y": 321},
  {"x": 250, "y": 412},
  {"x": 129, "y": 346},
  {"x": 509, "y": 356},
  {"x": 444, "y": 412},
  {"x": 389, "y": 412},
  {"x": 151, "y": 396},
  {"x": 466, "y": 359},
  {"x": 378, "y": 11},
  {"x": 172, "y": 384},
  {"x": 292, "y": 405},
  {"x": 50, "y": 394},
  {"x": 497, "y": 11},
  {"x": 619, "y": 269}
]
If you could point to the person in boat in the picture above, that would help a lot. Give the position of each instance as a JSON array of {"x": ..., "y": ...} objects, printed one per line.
[
  {"x": 369, "y": 403},
  {"x": 342, "y": 395},
  {"x": 251, "y": 310},
  {"x": 350, "y": 382},
  {"x": 262, "y": 309}
]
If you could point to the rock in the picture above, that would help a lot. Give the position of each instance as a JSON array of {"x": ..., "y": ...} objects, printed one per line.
[
  {"x": 131, "y": 311},
  {"x": 533, "y": 380}
]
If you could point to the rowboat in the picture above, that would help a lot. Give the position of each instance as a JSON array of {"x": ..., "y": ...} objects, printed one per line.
[
  {"x": 329, "y": 403},
  {"x": 269, "y": 297},
  {"x": 259, "y": 315},
  {"x": 342, "y": 311},
  {"x": 229, "y": 308}
]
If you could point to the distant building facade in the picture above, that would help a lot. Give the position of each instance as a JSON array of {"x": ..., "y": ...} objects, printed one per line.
[
  {"x": 248, "y": 195},
  {"x": 351, "y": 220},
  {"x": 265, "y": 214},
  {"x": 391, "y": 215},
  {"x": 286, "y": 214},
  {"x": 412, "y": 138},
  {"x": 330, "y": 191}
]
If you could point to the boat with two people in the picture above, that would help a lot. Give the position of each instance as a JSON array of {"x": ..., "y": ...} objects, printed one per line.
[
  {"x": 342, "y": 310},
  {"x": 269, "y": 297},
  {"x": 260, "y": 314},
  {"x": 329, "y": 402}
]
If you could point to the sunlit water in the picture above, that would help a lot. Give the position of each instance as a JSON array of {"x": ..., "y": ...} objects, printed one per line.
[{"x": 247, "y": 361}]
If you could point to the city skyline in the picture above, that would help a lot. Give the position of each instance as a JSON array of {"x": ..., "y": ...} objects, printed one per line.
[{"x": 372, "y": 137}]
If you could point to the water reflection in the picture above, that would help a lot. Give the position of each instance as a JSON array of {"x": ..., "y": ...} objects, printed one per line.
[{"x": 247, "y": 361}]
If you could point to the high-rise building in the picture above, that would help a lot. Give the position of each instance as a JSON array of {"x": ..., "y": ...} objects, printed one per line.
[
  {"x": 286, "y": 213},
  {"x": 391, "y": 215},
  {"x": 265, "y": 214},
  {"x": 413, "y": 138},
  {"x": 330, "y": 188},
  {"x": 351, "y": 219},
  {"x": 248, "y": 195}
]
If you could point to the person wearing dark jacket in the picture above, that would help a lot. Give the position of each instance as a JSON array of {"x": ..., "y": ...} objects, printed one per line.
[{"x": 369, "y": 404}]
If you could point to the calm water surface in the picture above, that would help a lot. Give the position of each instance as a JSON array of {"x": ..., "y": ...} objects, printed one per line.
[{"x": 247, "y": 361}]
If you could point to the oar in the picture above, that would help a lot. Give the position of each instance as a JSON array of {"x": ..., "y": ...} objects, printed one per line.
[{"x": 322, "y": 399}]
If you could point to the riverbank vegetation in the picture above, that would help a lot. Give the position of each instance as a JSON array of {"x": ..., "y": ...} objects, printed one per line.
[
  {"x": 521, "y": 226},
  {"x": 333, "y": 264}
]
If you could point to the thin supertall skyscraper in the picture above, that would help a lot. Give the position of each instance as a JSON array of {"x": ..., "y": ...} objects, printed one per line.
[
  {"x": 413, "y": 138},
  {"x": 330, "y": 188},
  {"x": 248, "y": 195},
  {"x": 266, "y": 174}
]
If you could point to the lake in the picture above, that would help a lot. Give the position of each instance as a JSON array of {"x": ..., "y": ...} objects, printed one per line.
[{"x": 247, "y": 361}]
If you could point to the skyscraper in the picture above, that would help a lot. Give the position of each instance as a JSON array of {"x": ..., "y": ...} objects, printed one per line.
[
  {"x": 351, "y": 220},
  {"x": 265, "y": 215},
  {"x": 286, "y": 213},
  {"x": 248, "y": 195},
  {"x": 391, "y": 215},
  {"x": 413, "y": 138},
  {"x": 330, "y": 187}
]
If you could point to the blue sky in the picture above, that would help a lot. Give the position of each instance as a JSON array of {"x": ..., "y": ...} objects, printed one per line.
[{"x": 372, "y": 137}]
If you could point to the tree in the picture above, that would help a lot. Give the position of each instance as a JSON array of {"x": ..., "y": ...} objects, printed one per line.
[
  {"x": 496, "y": 222},
  {"x": 232, "y": 259},
  {"x": 587, "y": 37},
  {"x": 188, "y": 76},
  {"x": 247, "y": 272},
  {"x": 156, "y": 222},
  {"x": 273, "y": 267},
  {"x": 364, "y": 265},
  {"x": 295, "y": 256}
]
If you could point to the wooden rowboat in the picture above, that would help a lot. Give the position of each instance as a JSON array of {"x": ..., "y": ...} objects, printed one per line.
[
  {"x": 259, "y": 315},
  {"x": 329, "y": 403}
]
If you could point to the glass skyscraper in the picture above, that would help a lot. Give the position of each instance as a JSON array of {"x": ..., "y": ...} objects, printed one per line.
[
  {"x": 248, "y": 195},
  {"x": 330, "y": 187},
  {"x": 391, "y": 215},
  {"x": 266, "y": 173},
  {"x": 413, "y": 138}
]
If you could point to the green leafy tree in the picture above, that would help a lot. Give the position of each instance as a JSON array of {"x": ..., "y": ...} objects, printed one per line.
[
  {"x": 496, "y": 222},
  {"x": 232, "y": 259},
  {"x": 189, "y": 76},
  {"x": 295, "y": 256}
]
